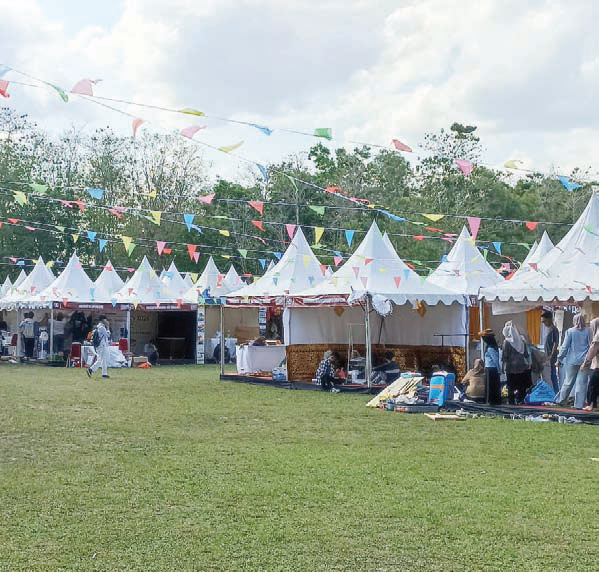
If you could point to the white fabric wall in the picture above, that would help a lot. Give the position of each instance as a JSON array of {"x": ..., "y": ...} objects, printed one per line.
[
  {"x": 403, "y": 327},
  {"x": 233, "y": 317}
]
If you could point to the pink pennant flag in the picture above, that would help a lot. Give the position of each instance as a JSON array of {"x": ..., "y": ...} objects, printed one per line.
[
  {"x": 4, "y": 88},
  {"x": 589, "y": 289},
  {"x": 474, "y": 224},
  {"x": 30, "y": 228},
  {"x": 465, "y": 166},
  {"x": 534, "y": 266},
  {"x": 400, "y": 146},
  {"x": 206, "y": 199},
  {"x": 364, "y": 280},
  {"x": 219, "y": 280},
  {"x": 80, "y": 204},
  {"x": 191, "y": 249},
  {"x": 65, "y": 302},
  {"x": 397, "y": 280},
  {"x": 65, "y": 203},
  {"x": 418, "y": 237},
  {"x": 258, "y": 205},
  {"x": 196, "y": 257},
  {"x": 130, "y": 270},
  {"x": 323, "y": 269},
  {"x": 136, "y": 124},
  {"x": 290, "y": 230},
  {"x": 108, "y": 268},
  {"x": 531, "y": 225},
  {"x": 337, "y": 260},
  {"x": 189, "y": 132},
  {"x": 160, "y": 244},
  {"x": 179, "y": 302},
  {"x": 13, "y": 220},
  {"x": 84, "y": 87},
  {"x": 117, "y": 211},
  {"x": 258, "y": 224},
  {"x": 368, "y": 261},
  {"x": 356, "y": 270}
]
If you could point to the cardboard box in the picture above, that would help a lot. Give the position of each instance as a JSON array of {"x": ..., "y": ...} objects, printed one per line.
[{"x": 136, "y": 360}]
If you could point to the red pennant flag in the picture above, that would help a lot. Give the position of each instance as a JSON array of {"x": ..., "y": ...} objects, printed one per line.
[
  {"x": 64, "y": 302},
  {"x": 337, "y": 260},
  {"x": 179, "y": 302},
  {"x": 411, "y": 266},
  {"x": 258, "y": 205},
  {"x": 332, "y": 189},
  {"x": 117, "y": 211},
  {"x": 130, "y": 270},
  {"x": 3, "y": 88},
  {"x": 167, "y": 250},
  {"x": 258, "y": 224},
  {"x": 191, "y": 248},
  {"x": 400, "y": 146},
  {"x": 66, "y": 203},
  {"x": 531, "y": 225},
  {"x": 397, "y": 280},
  {"x": 533, "y": 265},
  {"x": 290, "y": 230},
  {"x": 1, "y": 225},
  {"x": 418, "y": 237},
  {"x": 219, "y": 280},
  {"x": 80, "y": 204},
  {"x": 323, "y": 269},
  {"x": 356, "y": 270},
  {"x": 160, "y": 244},
  {"x": 434, "y": 229},
  {"x": 368, "y": 261},
  {"x": 589, "y": 289},
  {"x": 13, "y": 220},
  {"x": 207, "y": 199}
]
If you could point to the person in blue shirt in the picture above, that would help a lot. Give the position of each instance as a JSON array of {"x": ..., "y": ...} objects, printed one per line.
[
  {"x": 572, "y": 355},
  {"x": 492, "y": 366}
]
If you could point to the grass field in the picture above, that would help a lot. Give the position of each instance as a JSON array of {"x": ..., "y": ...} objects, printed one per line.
[{"x": 171, "y": 469}]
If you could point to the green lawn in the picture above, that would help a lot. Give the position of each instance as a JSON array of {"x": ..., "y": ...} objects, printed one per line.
[{"x": 171, "y": 469}]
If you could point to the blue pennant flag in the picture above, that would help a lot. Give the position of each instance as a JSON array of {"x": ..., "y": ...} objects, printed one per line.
[
  {"x": 567, "y": 184},
  {"x": 349, "y": 236},
  {"x": 444, "y": 258},
  {"x": 262, "y": 128},
  {"x": 278, "y": 255},
  {"x": 275, "y": 280},
  {"x": 102, "y": 243},
  {"x": 392, "y": 216},
  {"x": 196, "y": 227},
  {"x": 188, "y": 218},
  {"x": 263, "y": 171},
  {"x": 406, "y": 273},
  {"x": 96, "y": 193},
  {"x": 91, "y": 235},
  {"x": 262, "y": 262},
  {"x": 497, "y": 246}
]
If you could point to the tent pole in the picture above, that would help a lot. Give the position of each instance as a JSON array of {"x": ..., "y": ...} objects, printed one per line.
[
  {"x": 467, "y": 337},
  {"x": 481, "y": 323},
  {"x": 368, "y": 371},
  {"x": 51, "y": 330},
  {"x": 222, "y": 339},
  {"x": 128, "y": 323},
  {"x": 19, "y": 337}
]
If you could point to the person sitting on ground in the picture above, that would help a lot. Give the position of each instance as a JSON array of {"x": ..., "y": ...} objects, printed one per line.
[
  {"x": 474, "y": 382},
  {"x": 216, "y": 353},
  {"x": 325, "y": 374},
  {"x": 388, "y": 371},
  {"x": 151, "y": 352}
]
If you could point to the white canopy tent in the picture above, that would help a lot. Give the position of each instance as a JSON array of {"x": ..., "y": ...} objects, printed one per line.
[
  {"x": 6, "y": 286},
  {"x": 175, "y": 284},
  {"x": 20, "y": 278},
  {"x": 464, "y": 270},
  {"x": 208, "y": 280},
  {"x": 144, "y": 287},
  {"x": 375, "y": 274},
  {"x": 21, "y": 295},
  {"x": 108, "y": 284}
]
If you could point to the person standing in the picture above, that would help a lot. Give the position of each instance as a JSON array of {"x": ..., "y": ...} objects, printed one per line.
[
  {"x": 573, "y": 354},
  {"x": 27, "y": 329},
  {"x": 58, "y": 328},
  {"x": 78, "y": 325},
  {"x": 492, "y": 366},
  {"x": 592, "y": 359},
  {"x": 551, "y": 345},
  {"x": 516, "y": 363},
  {"x": 102, "y": 347}
]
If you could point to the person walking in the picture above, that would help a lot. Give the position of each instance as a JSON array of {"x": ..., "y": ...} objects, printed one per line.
[
  {"x": 572, "y": 355},
  {"x": 551, "y": 346},
  {"x": 516, "y": 363},
  {"x": 102, "y": 333},
  {"x": 592, "y": 359},
  {"x": 492, "y": 366}
]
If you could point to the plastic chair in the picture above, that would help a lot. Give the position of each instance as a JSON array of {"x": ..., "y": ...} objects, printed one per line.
[
  {"x": 75, "y": 355},
  {"x": 123, "y": 346},
  {"x": 12, "y": 347}
]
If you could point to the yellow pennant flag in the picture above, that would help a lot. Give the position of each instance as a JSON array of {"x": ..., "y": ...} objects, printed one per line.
[
  {"x": 156, "y": 215},
  {"x": 433, "y": 217},
  {"x": 190, "y": 111},
  {"x": 194, "y": 276},
  {"x": 135, "y": 304},
  {"x": 229, "y": 148},
  {"x": 225, "y": 232},
  {"x": 318, "y": 230},
  {"x": 127, "y": 242},
  {"x": 226, "y": 256},
  {"x": 75, "y": 237},
  {"x": 306, "y": 260},
  {"x": 20, "y": 197},
  {"x": 152, "y": 194},
  {"x": 50, "y": 263}
]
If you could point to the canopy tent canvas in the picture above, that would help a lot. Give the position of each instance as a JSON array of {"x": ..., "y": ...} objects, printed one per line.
[
  {"x": 6, "y": 286},
  {"x": 569, "y": 272},
  {"x": 174, "y": 283},
  {"x": 108, "y": 284},
  {"x": 464, "y": 270},
  {"x": 20, "y": 279},
  {"x": 188, "y": 280},
  {"x": 297, "y": 270},
  {"x": 208, "y": 280},
  {"x": 23, "y": 294}
]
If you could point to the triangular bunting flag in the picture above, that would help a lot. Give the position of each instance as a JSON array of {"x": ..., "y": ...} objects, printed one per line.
[
  {"x": 160, "y": 244},
  {"x": 349, "y": 236},
  {"x": 191, "y": 248},
  {"x": 102, "y": 244},
  {"x": 188, "y": 218},
  {"x": 317, "y": 209},
  {"x": 474, "y": 224},
  {"x": 258, "y": 224},
  {"x": 156, "y": 217},
  {"x": 135, "y": 125},
  {"x": 290, "y": 230},
  {"x": 318, "y": 230},
  {"x": 258, "y": 205}
]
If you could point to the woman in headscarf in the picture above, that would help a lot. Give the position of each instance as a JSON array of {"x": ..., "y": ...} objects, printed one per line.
[
  {"x": 592, "y": 359},
  {"x": 516, "y": 363},
  {"x": 492, "y": 366},
  {"x": 572, "y": 355}
]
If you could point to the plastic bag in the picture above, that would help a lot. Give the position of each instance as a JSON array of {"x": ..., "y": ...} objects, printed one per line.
[{"x": 540, "y": 393}]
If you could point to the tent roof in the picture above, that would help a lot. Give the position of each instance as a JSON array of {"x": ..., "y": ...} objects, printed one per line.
[
  {"x": 72, "y": 284},
  {"x": 297, "y": 270},
  {"x": 569, "y": 271},
  {"x": 209, "y": 277},
  {"x": 376, "y": 269},
  {"x": 144, "y": 287},
  {"x": 108, "y": 284},
  {"x": 464, "y": 270},
  {"x": 6, "y": 285},
  {"x": 20, "y": 278},
  {"x": 39, "y": 278},
  {"x": 175, "y": 285},
  {"x": 188, "y": 280}
]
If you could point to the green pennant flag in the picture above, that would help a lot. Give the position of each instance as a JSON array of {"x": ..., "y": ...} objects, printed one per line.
[
  {"x": 59, "y": 228},
  {"x": 189, "y": 111},
  {"x": 324, "y": 132},
  {"x": 39, "y": 189},
  {"x": 317, "y": 209},
  {"x": 61, "y": 92},
  {"x": 243, "y": 252}
]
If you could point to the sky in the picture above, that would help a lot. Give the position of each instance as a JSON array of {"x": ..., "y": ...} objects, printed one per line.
[{"x": 526, "y": 72}]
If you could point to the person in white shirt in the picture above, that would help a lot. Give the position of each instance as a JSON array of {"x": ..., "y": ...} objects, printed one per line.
[
  {"x": 102, "y": 347},
  {"x": 58, "y": 329}
]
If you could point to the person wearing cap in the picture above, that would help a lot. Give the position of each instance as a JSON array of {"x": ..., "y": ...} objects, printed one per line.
[
  {"x": 492, "y": 366},
  {"x": 551, "y": 344}
]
